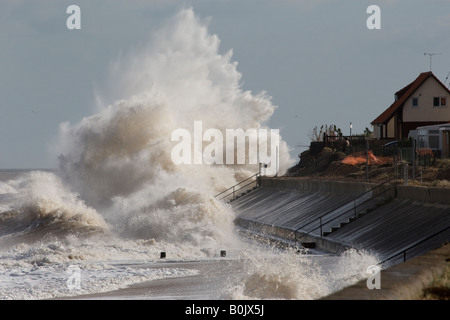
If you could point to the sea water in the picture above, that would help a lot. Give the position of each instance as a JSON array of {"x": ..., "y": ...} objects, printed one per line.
[{"x": 118, "y": 200}]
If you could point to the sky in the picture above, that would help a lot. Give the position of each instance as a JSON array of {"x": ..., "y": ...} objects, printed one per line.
[{"x": 318, "y": 60}]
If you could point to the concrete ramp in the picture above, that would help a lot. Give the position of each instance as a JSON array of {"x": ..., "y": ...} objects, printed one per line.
[
  {"x": 291, "y": 208},
  {"x": 396, "y": 226},
  {"x": 286, "y": 208}
]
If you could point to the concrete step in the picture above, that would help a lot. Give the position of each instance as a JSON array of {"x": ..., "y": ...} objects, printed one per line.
[
  {"x": 308, "y": 245},
  {"x": 343, "y": 224},
  {"x": 358, "y": 215},
  {"x": 242, "y": 194}
]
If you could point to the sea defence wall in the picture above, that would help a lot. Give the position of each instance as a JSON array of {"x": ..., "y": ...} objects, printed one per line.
[
  {"x": 386, "y": 220},
  {"x": 423, "y": 194},
  {"x": 398, "y": 190},
  {"x": 325, "y": 186}
]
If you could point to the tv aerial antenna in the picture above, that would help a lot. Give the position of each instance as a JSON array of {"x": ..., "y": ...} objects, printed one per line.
[{"x": 431, "y": 55}]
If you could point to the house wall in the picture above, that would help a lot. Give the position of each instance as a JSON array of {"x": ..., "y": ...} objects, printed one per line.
[
  {"x": 425, "y": 112},
  {"x": 391, "y": 128},
  {"x": 380, "y": 131},
  {"x": 377, "y": 131}
]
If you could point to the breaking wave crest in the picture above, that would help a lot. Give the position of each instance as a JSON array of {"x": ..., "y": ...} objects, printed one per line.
[
  {"x": 40, "y": 201},
  {"x": 119, "y": 159},
  {"x": 115, "y": 167}
]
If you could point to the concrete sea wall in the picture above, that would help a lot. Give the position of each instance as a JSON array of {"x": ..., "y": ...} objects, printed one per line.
[
  {"x": 423, "y": 194},
  {"x": 325, "y": 186},
  {"x": 397, "y": 217},
  {"x": 398, "y": 223}
]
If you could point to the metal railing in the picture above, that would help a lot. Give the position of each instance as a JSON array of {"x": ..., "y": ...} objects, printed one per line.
[
  {"x": 403, "y": 252},
  {"x": 353, "y": 208},
  {"x": 232, "y": 190}
]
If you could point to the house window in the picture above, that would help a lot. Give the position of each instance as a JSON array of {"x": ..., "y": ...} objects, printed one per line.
[
  {"x": 433, "y": 142},
  {"x": 436, "y": 101},
  {"x": 415, "y": 102},
  {"x": 439, "y": 101}
]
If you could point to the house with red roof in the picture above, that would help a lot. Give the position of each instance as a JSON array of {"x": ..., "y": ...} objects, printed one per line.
[{"x": 423, "y": 102}]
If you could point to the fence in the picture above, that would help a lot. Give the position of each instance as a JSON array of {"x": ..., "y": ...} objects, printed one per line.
[
  {"x": 347, "y": 144},
  {"x": 231, "y": 193},
  {"x": 404, "y": 159},
  {"x": 387, "y": 150}
]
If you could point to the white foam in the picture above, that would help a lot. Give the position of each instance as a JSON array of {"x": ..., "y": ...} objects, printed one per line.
[
  {"x": 54, "y": 281},
  {"x": 40, "y": 270},
  {"x": 6, "y": 188},
  {"x": 42, "y": 195},
  {"x": 275, "y": 274}
]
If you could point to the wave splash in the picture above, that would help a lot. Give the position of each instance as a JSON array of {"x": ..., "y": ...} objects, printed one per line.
[
  {"x": 291, "y": 276},
  {"x": 40, "y": 201},
  {"x": 117, "y": 181},
  {"x": 116, "y": 170},
  {"x": 119, "y": 159}
]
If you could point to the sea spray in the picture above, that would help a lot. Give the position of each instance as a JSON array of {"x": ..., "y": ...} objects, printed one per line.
[
  {"x": 178, "y": 79},
  {"x": 270, "y": 273},
  {"x": 284, "y": 276},
  {"x": 119, "y": 159},
  {"x": 350, "y": 267},
  {"x": 41, "y": 199},
  {"x": 177, "y": 216},
  {"x": 116, "y": 173}
]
